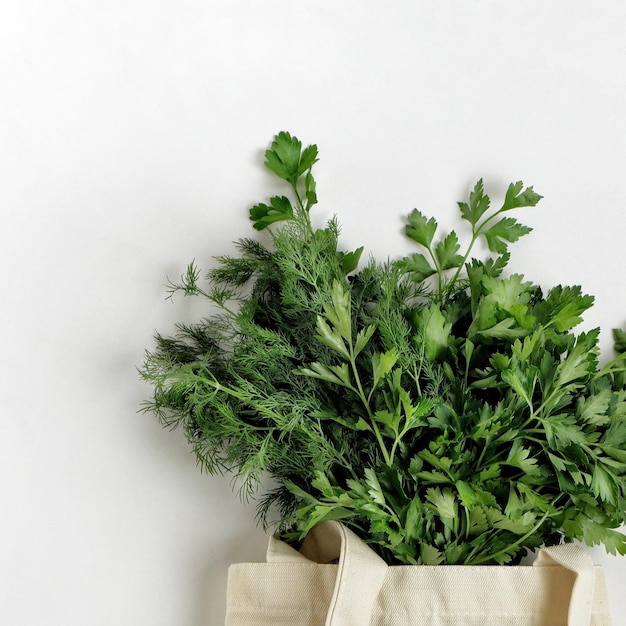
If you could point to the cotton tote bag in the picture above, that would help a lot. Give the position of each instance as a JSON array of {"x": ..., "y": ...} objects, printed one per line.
[{"x": 337, "y": 580}]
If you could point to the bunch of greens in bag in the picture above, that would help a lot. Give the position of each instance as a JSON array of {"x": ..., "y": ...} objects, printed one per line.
[{"x": 443, "y": 410}]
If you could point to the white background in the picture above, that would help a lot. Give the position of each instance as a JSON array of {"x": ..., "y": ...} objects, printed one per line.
[{"x": 131, "y": 141}]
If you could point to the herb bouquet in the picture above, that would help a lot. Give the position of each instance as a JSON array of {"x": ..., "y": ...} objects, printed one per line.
[{"x": 443, "y": 410}]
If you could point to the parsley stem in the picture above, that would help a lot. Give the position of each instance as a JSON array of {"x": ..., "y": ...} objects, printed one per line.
[
  {"x": 494, "y": 556},
  {"x": 396, "y": 443},
  {"x": 476, "y": 233},
  {"x": 366, "y": 404},
  {"x": 455, "y": 277},
  {"x": 609, "y": 368},
  {"x": 479, "y": 464},
  {"x": 438, "y": 269},
  {"x": 301, "y": 208}
]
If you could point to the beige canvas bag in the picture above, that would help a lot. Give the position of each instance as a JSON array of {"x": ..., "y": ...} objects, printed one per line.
[{"x": 337, "y": 580}]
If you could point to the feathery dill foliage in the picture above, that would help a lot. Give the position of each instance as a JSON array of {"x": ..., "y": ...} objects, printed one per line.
[{"x": 444, "y": 411}]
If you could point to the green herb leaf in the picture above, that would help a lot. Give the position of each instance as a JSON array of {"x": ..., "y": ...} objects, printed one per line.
[
  {"x": 418, "y": 266},
  {"x": 421, "y": 229},
  {"x": 330, "y": 338},
  {"x": 521, "y": 458},
  {"x": 619, "y": 338},
  {"x": 363, "y": 337},
  {"x": 310, "y": 188},
  {"x": 565, "y": 306},
  {"x": 523, "y": 382},
  {"x": 337, "y": 374},
  {"x": 467, "y": 495},
  {"x": 447, "y": 250},
  {"x": 478, "y": 204},
  {"x": 278, "y": 210},
  {"x": 429, "y": 555},
  {"x": 307, "y": 160},
  {"x": 505, "y": 231},
  {"x": 388, "y": 419},
  {"x": 374, "y": 488},
  {"x": 382, "y": 365},
  {"x": 615, "y": 435},
  {"x": 517, "y": 196},
  {"x": 287, "y": 159},
  {"x": 562, "y": 431},
  {"x": 444, "y": 503},
  {"x": 436, "y": 331},
  {"x": 593, "y": 409},
  {"x": 338, "y": 312},
  {"x": 581, "y": 361},
  {"x": 604, "y": 485},
  {"x": 350, "y": 260}
]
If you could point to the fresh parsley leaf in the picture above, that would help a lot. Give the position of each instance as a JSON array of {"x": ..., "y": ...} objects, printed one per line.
[
  {"x": 308, "y": 158},
  {"x": 350, "y": 260},
  {"x": 506, "y": 230},
  {"x": 447, "y": 252},
  {"x": 517, "y": 196},
  {"x": 420, "y": 228},
  {"x": 478, "y": 204},
  {"x": 286, "y": 158},
  {"x": 619, "y": 338},
  {"x": 279, "y": 209},
  {"x": 565, "y": 306},
  {"x": 417, "y": 266},
  {"x": 310, "y": 190},
  {"x": 436, "y": 331}
]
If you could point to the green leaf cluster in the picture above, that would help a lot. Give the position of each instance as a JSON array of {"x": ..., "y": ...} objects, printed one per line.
[
  {"x": 444, "y": 259},
  {"x": 443, "y": 409}
]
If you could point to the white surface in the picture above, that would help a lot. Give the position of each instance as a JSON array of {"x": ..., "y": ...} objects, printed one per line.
[{"x": 131, "y": 137}]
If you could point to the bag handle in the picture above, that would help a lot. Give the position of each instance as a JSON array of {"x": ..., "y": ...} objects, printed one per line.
[
  {"x": 361, "y": 572},
  {"x": 576, "y": 559}
]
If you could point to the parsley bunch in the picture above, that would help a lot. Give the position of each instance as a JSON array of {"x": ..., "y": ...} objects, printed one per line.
[{"x": 443, "y": 410}]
